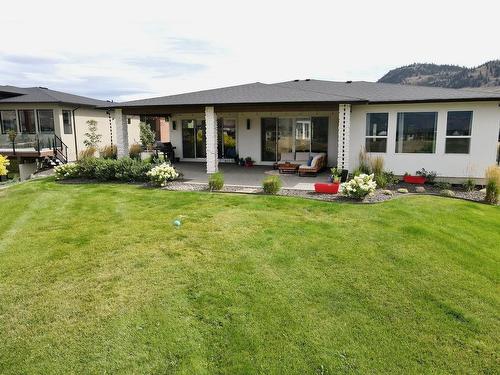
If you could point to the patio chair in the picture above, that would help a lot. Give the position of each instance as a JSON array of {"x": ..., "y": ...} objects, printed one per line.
[{"x": 317, "y": 164}]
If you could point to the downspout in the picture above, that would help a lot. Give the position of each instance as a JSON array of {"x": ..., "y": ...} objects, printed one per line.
[{"x": 74, "y": 132}]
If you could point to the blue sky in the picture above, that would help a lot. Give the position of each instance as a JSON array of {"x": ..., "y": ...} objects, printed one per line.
[{"x": 123, "y": 50}]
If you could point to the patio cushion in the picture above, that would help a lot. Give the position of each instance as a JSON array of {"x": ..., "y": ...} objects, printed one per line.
[
  {"x": 287, "y": 156},
  {"x": 301, "y": 156},
  {"x": 316, "y": 160}
]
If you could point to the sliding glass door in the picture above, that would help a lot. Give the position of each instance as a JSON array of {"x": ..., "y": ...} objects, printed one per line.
[
  {"x": 226, "y": 138},
  {"x": 285, "y": 135},
  {"x": 194, "y": 139}
]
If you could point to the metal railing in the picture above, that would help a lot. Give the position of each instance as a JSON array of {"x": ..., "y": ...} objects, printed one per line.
[{"x": 34, "y": 143}]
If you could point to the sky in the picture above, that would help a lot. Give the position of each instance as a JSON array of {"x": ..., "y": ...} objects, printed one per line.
[{"x": 125, "y": 50}]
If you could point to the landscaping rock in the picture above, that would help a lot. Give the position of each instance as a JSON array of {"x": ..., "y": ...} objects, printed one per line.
[
  {"x": 387, "y": 192},
  {"x": 447, "y": 193},
  {"x": 483, "y": 191},
  {"x": 420, "y": 189},
  {"x": 403, "y": 191}
]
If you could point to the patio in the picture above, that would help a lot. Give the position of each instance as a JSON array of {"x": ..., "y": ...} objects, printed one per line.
[{"x": 252, "y": 177}]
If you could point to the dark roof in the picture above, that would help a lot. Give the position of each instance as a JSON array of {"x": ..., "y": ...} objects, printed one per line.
[
  {"x": 12, "y": 94},
  {"x": 308, "y": 91}
]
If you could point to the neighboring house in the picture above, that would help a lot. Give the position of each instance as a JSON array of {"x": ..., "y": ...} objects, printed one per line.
[
  {"x": 453, "y": 132},
  {"x": 52, "y": 124}
]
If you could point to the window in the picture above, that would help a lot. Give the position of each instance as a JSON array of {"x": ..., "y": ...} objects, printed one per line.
[
  {"x": 416, "y": 132},
  {"x": 8, "y": 121},
  {"x": 319, "y": 136},
  {"x": 27, "y": 121},
  {"x": 458, "y": 132},
  {"x": 45, "y": 120},
  {"x": 376, "y": 132},
  {"x": 67, "y": 123}
]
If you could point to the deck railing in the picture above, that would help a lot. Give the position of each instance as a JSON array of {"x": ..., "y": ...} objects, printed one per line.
[{"x": 34, "y": 144}]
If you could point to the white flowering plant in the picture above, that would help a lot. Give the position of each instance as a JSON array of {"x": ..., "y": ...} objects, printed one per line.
[
  {"x": 64, "y": 171},
  {"x": 359, "y": 187},
  {"x": 162, "y": 174}
]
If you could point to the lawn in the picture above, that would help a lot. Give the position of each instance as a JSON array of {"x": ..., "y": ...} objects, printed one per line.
[{"x": 96, "y": 279}]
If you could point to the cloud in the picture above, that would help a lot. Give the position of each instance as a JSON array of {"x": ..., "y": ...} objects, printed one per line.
[{"x": 165, "y": 67}]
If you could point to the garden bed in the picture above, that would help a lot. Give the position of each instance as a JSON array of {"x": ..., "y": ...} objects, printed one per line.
[{"x": 378, "y": 196}]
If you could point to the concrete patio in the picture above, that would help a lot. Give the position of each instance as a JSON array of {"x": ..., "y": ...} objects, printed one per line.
[{"x": 236, "y": 175}]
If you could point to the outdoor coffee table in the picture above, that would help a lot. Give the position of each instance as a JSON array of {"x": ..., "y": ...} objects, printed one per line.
[{"x": 288, "y": 168}]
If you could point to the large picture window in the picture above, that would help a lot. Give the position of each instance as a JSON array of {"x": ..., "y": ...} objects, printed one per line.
[
  {"x": 67, "y": 123},
  {"x": 458, "y": 132},
  {"x": 8, "y": 121},
  {"x": 376, "y": 132},
  {"x": 416, "y": 132},
  {"x": 27, "y": 121},
  {"x": 45, "y": 120}
]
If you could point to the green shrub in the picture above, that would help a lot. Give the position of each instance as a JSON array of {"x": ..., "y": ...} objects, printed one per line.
[
  {"x": 65, "y": 171},
  {"x": 492, "y": 184},
  {"x": 381, "y": 180},
  {"x": 469, "y": 184},
  {"x": 108, "y": 152},
  {"x": 216, "y": 181},
  {"x": 146, "y": 136},
  {"x": 443, "y": 185},
  {"x": 125, "y": 169},
  {"x": 271, "y": 184}
]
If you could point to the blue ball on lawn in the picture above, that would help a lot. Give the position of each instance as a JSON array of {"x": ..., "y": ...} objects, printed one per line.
[{"x": 177, "y": 223}]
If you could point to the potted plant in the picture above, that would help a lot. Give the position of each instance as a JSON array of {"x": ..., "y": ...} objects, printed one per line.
[
  {"x": 242, "y": 162},
  {"x": 248, "y": 162},
  {"x": 334, "y": 183},
  {"x": 421, "y": 177},
  {"x": 147, "y": 138},
  {"x": 236, "y": 159}
]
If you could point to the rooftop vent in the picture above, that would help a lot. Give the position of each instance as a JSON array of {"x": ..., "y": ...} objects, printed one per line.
[
  {"x": 348, "y": 81},
  {"x": 41, "y": 87},
  {"x": 308, "y": 79},
  {"x": 296, "y": 80}
]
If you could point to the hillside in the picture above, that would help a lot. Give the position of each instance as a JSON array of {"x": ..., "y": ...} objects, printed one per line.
[{"x": 454, "y": 76}]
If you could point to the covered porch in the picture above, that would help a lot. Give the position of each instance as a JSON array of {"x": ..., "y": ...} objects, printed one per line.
[
  {"x": 196, "y": 172},
  {"x": 214, "y": 136}
]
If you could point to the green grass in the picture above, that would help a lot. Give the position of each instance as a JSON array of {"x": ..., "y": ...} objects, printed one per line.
[{"x": 96, "y": 279}]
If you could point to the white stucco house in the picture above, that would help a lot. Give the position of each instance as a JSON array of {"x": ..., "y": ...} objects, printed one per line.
[
  {"x": 453, "y": 132},
  {"x": 52, "y": 123}
]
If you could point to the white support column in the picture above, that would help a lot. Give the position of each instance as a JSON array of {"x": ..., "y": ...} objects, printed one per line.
[
  {"x": 211, "y": 132},
  {"x": 344, "y": 131},
  {"x": 121, "y": 133}
]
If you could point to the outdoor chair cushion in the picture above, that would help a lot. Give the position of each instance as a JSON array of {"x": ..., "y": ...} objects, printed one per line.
[
  {"x": 287, "y": 156},
  {"x": 301, "y": 156}
]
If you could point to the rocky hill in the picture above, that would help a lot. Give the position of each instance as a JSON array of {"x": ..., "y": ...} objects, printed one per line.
[{"x": 454, "y": 76}]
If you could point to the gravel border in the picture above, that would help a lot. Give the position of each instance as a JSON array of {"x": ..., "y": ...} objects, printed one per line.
[{"x": 378, "y": 196}]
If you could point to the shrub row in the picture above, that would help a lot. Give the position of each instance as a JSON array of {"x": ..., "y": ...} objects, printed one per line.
[{"x": 126, "y": 169}]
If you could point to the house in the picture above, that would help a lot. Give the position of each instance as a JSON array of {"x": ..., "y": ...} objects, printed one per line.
[
  {"x": 454, "y": 132},
  {"x": 52, "y": 124}
]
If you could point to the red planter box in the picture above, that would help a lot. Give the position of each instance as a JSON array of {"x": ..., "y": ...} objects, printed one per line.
[
  {"x": 414, "y": 179},
  {"x": 332, "y": 188}
]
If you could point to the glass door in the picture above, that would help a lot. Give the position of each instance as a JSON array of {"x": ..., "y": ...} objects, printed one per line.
[
  {"x": 285, "y": 136},
  {"x": 188, "y": 138},
  {"x": 268, "y": 138},
  {"x": 226, "y": 138},
  {"x": 201, "y": 139},
  {"x": 302, "y": 135}
]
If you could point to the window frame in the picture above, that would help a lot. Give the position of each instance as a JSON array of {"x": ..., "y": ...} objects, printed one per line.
[
  {"x": 39, "y": 128},
  {"x": 375, "y": 137},
  {"x": 2, "y": 129},
  {"x": 35, "y": 125},
  {"x": 469, "y": 137},
  {"x": 70, "y": 121},
  {"x": 435, "y": 140}
]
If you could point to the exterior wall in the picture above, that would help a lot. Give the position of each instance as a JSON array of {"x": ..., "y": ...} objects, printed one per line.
[
  {"x": 248, "y": 141},
  {"x": 483, "y": 147}
]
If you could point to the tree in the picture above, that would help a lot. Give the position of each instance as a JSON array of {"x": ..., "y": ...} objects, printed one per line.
[
  {"x": 92, "y": 138},
  {"x": 146, "y": 135}
]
